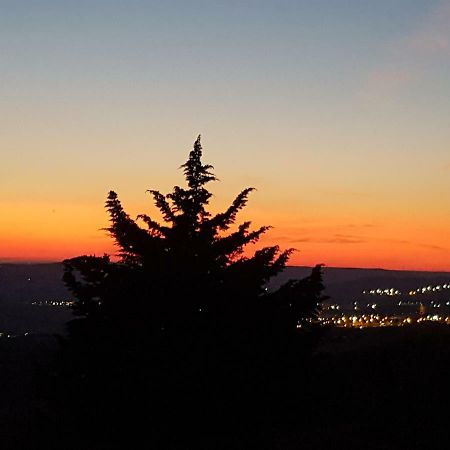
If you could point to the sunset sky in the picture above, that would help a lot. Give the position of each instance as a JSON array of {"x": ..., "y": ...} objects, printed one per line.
[{"x": 338, "y": 112}]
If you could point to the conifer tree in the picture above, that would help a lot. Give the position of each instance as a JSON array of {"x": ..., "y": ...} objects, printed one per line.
[{"x": 190, "y": 269}]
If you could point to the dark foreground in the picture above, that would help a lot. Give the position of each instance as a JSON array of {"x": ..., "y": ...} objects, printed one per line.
[{"x": 366, "y": 389}]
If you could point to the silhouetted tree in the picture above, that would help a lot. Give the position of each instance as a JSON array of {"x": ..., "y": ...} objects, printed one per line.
[
  {"x": 301, "y": 299},
  {"x": 181, "y": 324},
  {"x": 190, "y": 271}
]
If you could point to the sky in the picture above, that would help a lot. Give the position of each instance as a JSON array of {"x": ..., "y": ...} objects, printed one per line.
[{"x": 338, "y": 112}]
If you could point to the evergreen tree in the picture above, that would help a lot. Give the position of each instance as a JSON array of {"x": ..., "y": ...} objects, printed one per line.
[{"x": 188, "y": 271}]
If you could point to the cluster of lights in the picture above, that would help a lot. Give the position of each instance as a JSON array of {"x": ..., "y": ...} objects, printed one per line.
[
  {"x": 430, "y": 289},
  {"x": 52, "y": 303},
  {"x": 356, "y": 307},
  {"x": 333, "y": 306},
  {"x": 362, "y": 321},
  {"x": 309, "y": 320},
  {"x": 389, "y": 292},
  {"x": 434, "y": 318},
  {"x": 421, "y": 290},
  {"x": 408, "y": 303},
  {"x": 376, "y": 320},
  {"x": 433, "y": 304},
  {"x": 7, "y": 335}
]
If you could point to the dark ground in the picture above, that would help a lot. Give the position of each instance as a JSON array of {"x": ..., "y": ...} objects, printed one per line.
[{"x": 384, "y": 388}]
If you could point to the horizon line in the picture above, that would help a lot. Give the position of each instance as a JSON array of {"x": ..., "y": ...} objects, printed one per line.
[{"x": 18, "y": 261}]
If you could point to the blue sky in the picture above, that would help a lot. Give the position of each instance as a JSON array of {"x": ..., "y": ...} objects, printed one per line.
[{"x": 339, "y": 107}]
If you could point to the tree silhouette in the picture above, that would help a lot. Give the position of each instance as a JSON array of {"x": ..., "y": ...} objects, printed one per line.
[
  {"x": 181, "y": 325},
  {"x": 188, "y": 272}
]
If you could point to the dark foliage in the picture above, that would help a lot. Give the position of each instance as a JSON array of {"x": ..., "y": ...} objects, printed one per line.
[
  {"x": 182, "y": 324},
  {"x": 189, "y": 271}
]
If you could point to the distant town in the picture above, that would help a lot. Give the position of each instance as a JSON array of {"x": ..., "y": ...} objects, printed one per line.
[
  {"x": 384, "y": 307},
  {"x": 33, "y": 298}
]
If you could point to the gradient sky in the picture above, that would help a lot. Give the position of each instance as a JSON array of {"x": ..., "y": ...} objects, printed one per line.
[{"x": 338, "y": 112}]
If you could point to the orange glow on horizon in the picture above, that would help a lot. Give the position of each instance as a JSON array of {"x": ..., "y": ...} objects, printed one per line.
[
  {"x": 336, "y": 234},
  {"x": 72, "y": 231}
]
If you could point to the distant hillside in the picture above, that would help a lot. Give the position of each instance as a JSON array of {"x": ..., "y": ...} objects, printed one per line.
[
  {"x": 344, "y": 285},
  {"x": 23, "y": 284}
]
